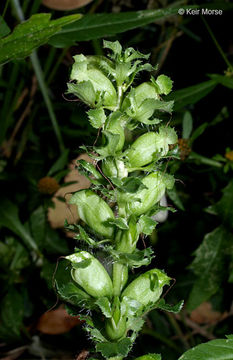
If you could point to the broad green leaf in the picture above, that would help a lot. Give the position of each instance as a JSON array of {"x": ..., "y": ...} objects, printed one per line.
[
  {"x": 9, "y": 218},
  {"x": 120, "y": 348},
  {"x": 221, "y": 349},
  {"x": 223, "y": 80},
  {"x": 191, "y": 94},
  {"x": 208, "y": 266},
  {"x": 11, "y": 316},
  {"x": 4, "y": 28},
  {"x": 224, "y": 207},
  {"x": 170, "y": 308},
  {"x": 60, "y": 164},
  {"x": 94, "y": 26},
  {"x": 187, "y": 125},
  {"x": 31, "y": 34}
]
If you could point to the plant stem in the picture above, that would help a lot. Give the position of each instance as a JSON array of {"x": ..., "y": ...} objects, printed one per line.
[
  {"x": 5, "y": 9},
  {"x": 217, "y": 44},
  {"x": 39, "y": 74},
  {"x": 178, "y": 330},
  {"x": 44, "y": 90},
  {"x": 119, "y": 98}
]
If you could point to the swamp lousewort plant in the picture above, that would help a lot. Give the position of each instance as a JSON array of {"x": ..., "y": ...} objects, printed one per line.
[{"x": 128, "y": 182}]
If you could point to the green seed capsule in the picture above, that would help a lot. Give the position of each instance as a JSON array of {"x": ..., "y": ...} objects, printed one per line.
[
  {"x": 143, "y": 150},
  {"x": 147, "y": 287},
  {"x": 145, "y": 199},
  {"x": 115, "y": 124},
  {"x": 114, "y": 168},
  {"x": 94, "y": 211},
  {"x": 84, "y": 69},
  {"x": 90, "y": 274}
]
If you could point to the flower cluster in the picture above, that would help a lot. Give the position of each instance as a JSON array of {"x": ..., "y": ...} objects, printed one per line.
[{"x": 128, "y": 182}]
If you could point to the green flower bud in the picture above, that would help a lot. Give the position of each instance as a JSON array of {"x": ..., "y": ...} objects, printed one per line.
[
  {"x": 116, "y": 325},
  {"x": 85, "y": 70},
  {"x": 94, "y": 211},
  {"x": 90, "y": 274},
  {"x": 148, "y": 287},
  {"x": 145, "y": 199},
  {"x": 114, "y": 168}
]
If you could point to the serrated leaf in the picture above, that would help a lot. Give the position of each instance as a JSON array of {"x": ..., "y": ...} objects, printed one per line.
[
  {"x": 164, "y": 84},
  {"x": 105, "y": 306},
  {"x": 82, "y": 236},
  {"x": 208, "y": 266},
  {"x": 96, "y": 335},
  {"x": 121, "y": 223},
  {"x": 109, "y": 349},
  {"x": 146, "y": 224},
  {"x": 221, "y": 349},
  {"x": 170, "y": 308},
  {"x": 136, "y": 259},
  {"x": 31, "y": 34},
  {"x": 187, "y": 125},
  {"x": 86, "y": 168},
  {"x": 96, "y": 117}
]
